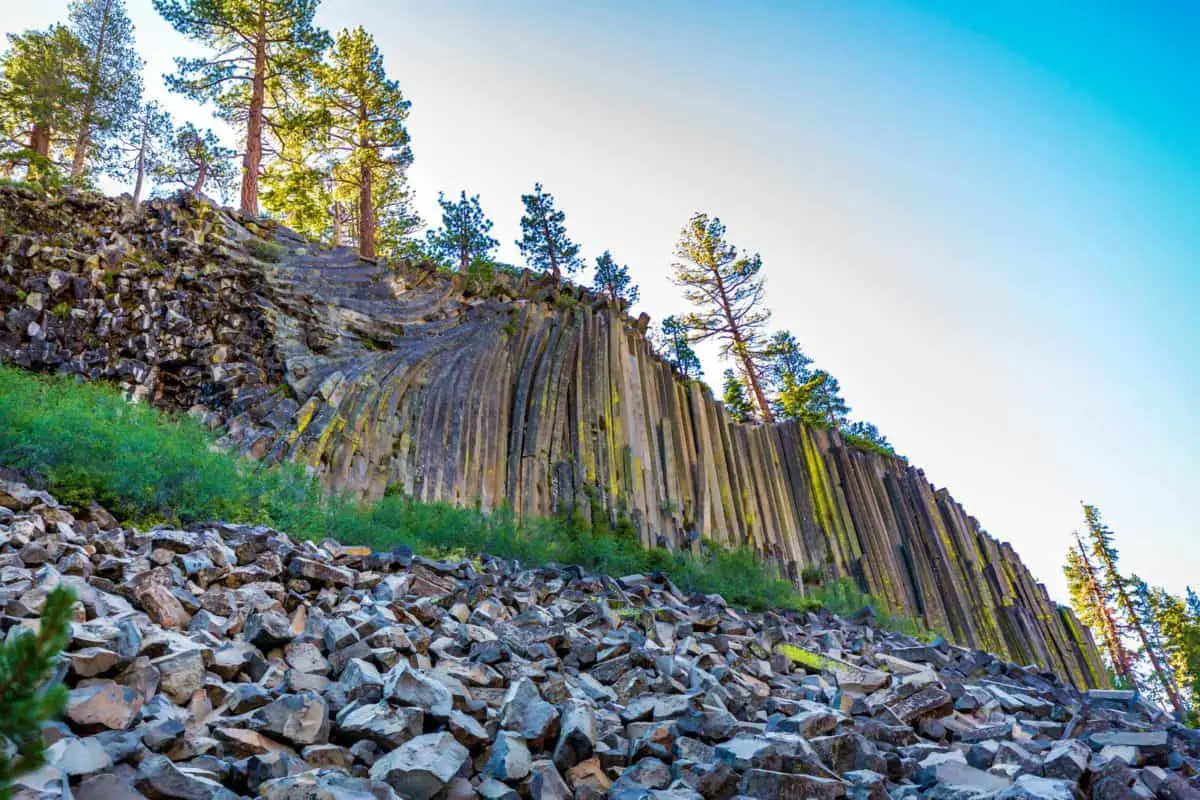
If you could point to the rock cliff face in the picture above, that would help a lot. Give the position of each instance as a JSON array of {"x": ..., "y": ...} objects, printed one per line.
[{"x": 519, "y": 392}]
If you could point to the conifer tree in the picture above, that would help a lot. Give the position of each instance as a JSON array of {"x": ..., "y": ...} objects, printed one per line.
[
  {"x": 614, "y": 281},
  {"x": 41, "y": 89},
  {"x": 816, "y": 401},
  {"x": 1094, "y": 607},
  {"x": 1106, "y": 555},
  {"x": 1179, "y": 623},
  {"x": 113, "y": 83},
  {"x": 678, "y": 349},
  {"x": 463, "y": 238},
  {"x": 197, "y": 162},
  {"x": 264, "y": 52},
  {"x": 27, "y": 660},
  {"x": 143, "y": 148},
  {"x": 1144, "y": 604},
  {"x": 727, "y": 290},
  {"x": 365, "y": 112},
  {"x": 734, "y": 394},
  {"x": 544, "y": 241}
]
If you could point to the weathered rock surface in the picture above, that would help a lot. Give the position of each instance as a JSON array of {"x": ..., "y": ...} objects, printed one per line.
[
  {"x": 527, "y": 393},
  {"x": 393, "y": 699}
]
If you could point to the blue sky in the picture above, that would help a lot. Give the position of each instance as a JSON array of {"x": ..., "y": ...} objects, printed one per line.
[{"x": 982, "y": 217}]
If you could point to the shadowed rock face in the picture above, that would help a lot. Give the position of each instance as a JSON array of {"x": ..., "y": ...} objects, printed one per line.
[{"x": 522, "y": 394}]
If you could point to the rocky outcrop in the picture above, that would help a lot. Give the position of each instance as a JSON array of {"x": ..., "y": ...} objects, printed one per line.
[
  {"x": 516, "y": 392},
  {"x": 231, "y": 661}
]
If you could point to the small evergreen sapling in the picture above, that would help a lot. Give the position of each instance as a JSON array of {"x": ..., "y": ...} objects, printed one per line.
[{"x": 27, "y": 660}]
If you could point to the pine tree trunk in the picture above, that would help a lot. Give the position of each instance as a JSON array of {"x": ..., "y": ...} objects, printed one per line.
[
  {"x": 742, "y": 351},
  {"x": 550, "y": 248},
  {"x": 141, "y": 168},
  {"x": 252, "y": 161},
  {"x": 89, "y": 100},
  {"x": 366, "y": 204},
  {"x": 39, "y": 139},
  {"x": 1114, "y": 578},
  {"x": 336, "y": 208},
  {"x": 201, "y": 176}
]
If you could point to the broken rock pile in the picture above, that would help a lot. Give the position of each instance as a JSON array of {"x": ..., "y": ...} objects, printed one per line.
[{"x": 231, "y": 661}]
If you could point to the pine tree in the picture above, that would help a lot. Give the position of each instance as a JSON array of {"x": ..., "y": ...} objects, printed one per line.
[
  {"x": 113, "y": 82},
  {"x": 1105, "y": 553},
  {"x": 734, "y": 395},
  {"x": 196, "y": 161},
  {"x": 264, "y": 51},
  {"x": 1179, "y": 623},
  {"x": 143, "y": 148},
  {"x": 27, "y": 660},
  {"x": 1094, "y": 607},
  {"x": 1144, "y": 607},
  {"x": 397, "y": 220},
  {"x": 614, "y": 281},
  {"x": 544, "y": 241},
  {"x": 678, "y": 349},
  {"x": 463, "y": 238},
  {"x": 816, "y": 401},
  {"x": 727, "y": 290},
  {"x": 42, "y": 89},
  {"x": 366, "y": 113}
]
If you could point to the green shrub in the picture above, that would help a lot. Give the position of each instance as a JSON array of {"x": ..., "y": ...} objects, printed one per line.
[
  {"x": 86, "y": 443},
  {"x": 263, "y": 250}
]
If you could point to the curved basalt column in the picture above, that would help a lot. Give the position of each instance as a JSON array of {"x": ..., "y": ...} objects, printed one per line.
[{"x": 526, "y": 394}]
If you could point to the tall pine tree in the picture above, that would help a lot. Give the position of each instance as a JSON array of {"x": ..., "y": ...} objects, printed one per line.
[
  {"x": 544, "y": 241},
  {"x": 614, "y": 281},
  {"x": 1094, "y": 607},
  {"x": 113, "y": 82},
  {"x": 727, "y": 289},
  {"x": 264, "y": 51},
  {"x": 463, "y": 239},
  {"x": 1105, "y": 552},
  {"x": 365, "y": 116},
  {"x": 144, "y": 147}
]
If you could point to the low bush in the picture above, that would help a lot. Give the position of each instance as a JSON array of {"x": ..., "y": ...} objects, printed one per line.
[{"x": 86, "y": 443}]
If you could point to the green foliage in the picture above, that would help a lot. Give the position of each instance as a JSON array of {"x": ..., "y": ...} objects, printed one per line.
[
  {"x": 263, "y": 250},
  {"x": 866, "y": 436},
  {"x": 844, "y": 598},
  {"x": 27, "y": 660},
  {"x": 678, "y": 349},
  {"x": 816, "y": 401},
  {"x": 463, "y": 238},
  {"x": 41, "y": 90},
  {"x": 86, "y": 443},
  {"x": 614, "y": 281},
  {"x": 733, "y": 392},
  {"x": 544, "y": 241}
]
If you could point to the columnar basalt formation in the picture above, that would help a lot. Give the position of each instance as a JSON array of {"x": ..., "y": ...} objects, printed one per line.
[{"x": 508, "y": 391}]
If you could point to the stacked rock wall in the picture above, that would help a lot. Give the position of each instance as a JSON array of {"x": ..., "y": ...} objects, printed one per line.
[{"x": 519, "y": 393}]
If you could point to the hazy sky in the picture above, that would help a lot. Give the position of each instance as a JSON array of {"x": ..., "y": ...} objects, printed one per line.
[{"x": 982, "y": 217}]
